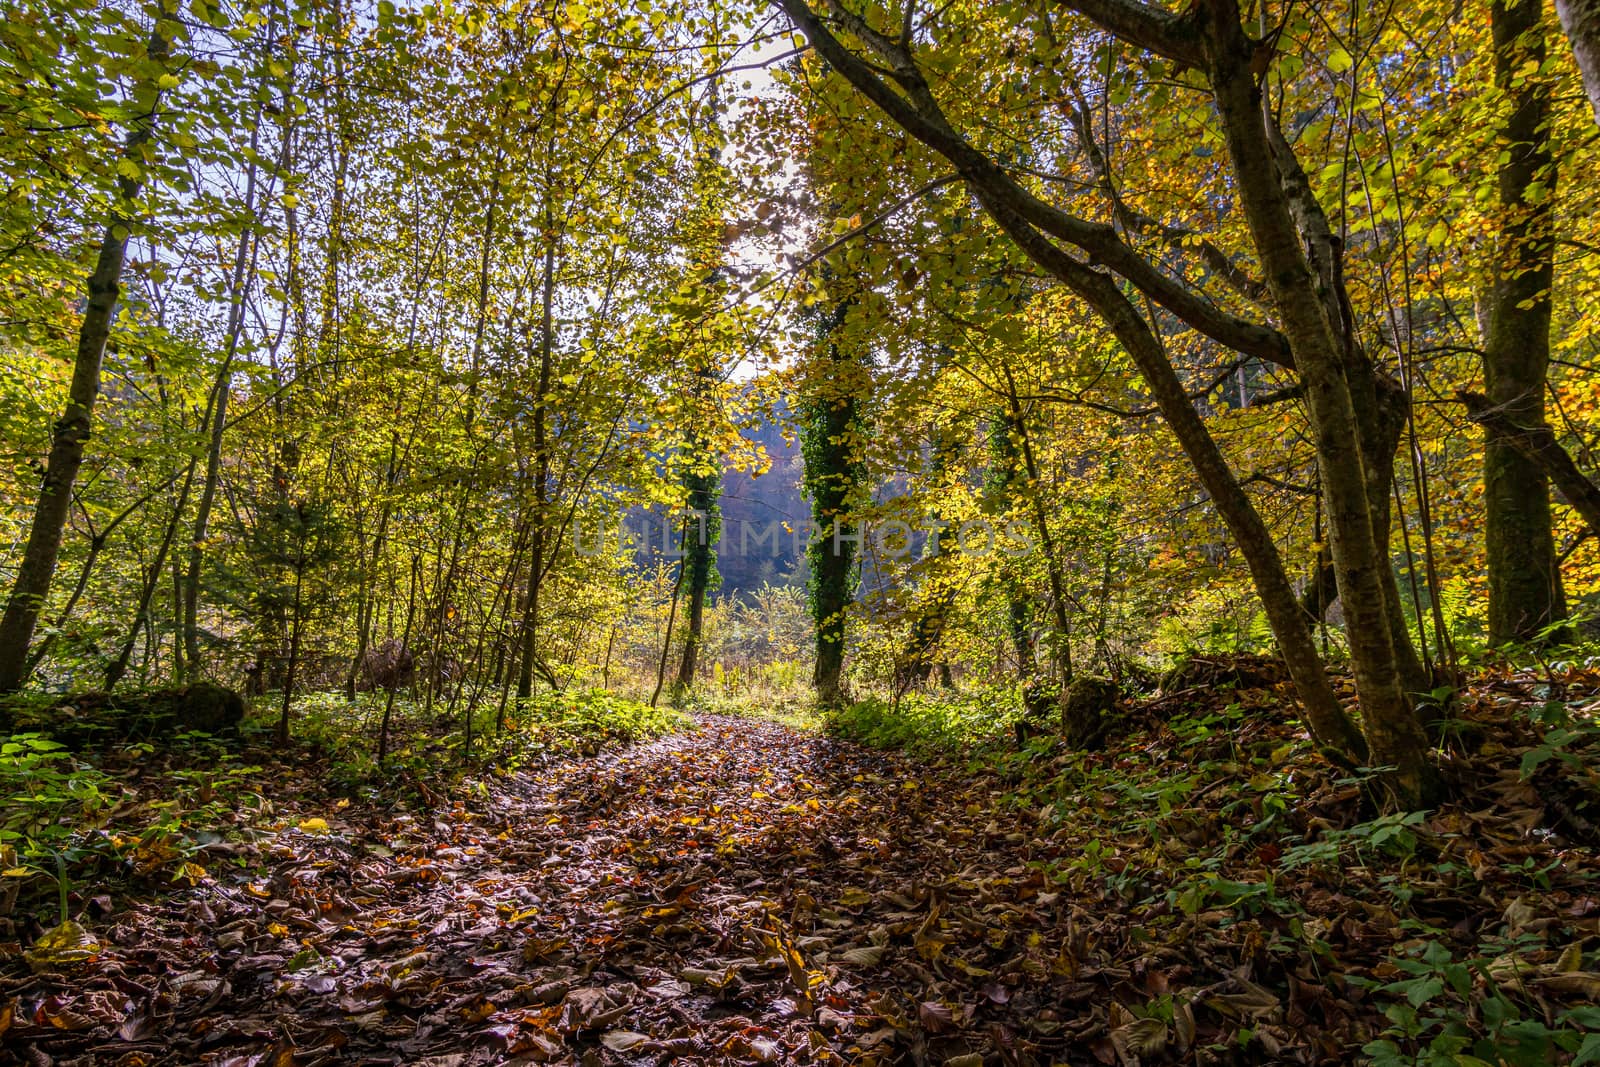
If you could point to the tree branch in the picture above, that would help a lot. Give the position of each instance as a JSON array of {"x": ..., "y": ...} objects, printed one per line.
[
  {"x": 1539, "y": 445},
  {"x": 918, "y": 114}
]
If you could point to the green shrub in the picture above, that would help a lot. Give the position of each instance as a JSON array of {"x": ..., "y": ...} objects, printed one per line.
[{"x": 940, "y": 721}]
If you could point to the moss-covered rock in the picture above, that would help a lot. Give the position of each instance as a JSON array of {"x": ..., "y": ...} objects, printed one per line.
[
  {"x": 87, "y": 718},
  {"x": 1087, "y": 710}
]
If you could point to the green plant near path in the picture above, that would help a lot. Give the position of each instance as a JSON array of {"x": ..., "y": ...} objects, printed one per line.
[
  {"x": 49, "y": 794},
  {"x": 940, "y": 722},
  {"x": 1472, "y": 1011}
]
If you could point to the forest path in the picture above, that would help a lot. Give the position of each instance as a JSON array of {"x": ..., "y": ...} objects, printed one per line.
[{"x": 740, "y": 892}]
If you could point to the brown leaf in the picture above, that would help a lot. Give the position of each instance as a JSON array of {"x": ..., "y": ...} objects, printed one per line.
[{"x": 935, "y": 1017}]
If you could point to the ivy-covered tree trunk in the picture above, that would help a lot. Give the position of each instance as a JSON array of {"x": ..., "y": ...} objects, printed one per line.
[
  {"x": 71, "y": 431},
  {"x": 1525, "y": 594},
  {"x": 832, "y": 434}
]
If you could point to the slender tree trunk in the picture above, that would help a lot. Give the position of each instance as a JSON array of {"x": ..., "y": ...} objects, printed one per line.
[
  {"x": 1005, "y": 473},
  {"x": 1061, "y": 640},
  {"x": 295, "y": 627},
  {"x": 1525, "y": 593},
  {"x": 541, "y": 462},
  {"x": 244, "y": 267},
  {"x": 703, "y": 479},
  {"x": 938, "y": 587},
  {"x": 71, "y": 432},
  {"x": 141, "y": 617},
  {"x": 699, "y": 562},
  {"x": 177, "y": 619},
  {"x": 394, "y": 677},
  {"x": 672, "y": 621}
]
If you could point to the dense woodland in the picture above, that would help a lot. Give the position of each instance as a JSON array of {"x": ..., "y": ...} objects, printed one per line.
[{"x": 1007, "y": 532}]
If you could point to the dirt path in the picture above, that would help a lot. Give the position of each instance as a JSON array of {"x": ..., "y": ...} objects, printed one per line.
[{"x": 737, "y": 893}]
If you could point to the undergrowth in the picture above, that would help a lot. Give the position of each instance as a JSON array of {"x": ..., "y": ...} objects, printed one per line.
[
  {"x": 935, "y": 722},
  {"x": 156, "y": 812},
  {"x": 1466, "y": 928}
]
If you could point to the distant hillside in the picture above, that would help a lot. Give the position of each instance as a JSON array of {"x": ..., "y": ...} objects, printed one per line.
[{"x": 756, "y": 547}]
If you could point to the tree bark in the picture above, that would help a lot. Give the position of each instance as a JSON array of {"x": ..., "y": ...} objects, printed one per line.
[
  {"x": 1581, "y": 21},
  {"x": 700, "y": 564},
  {"x": 939, "y": 586},
  {"x": 702, "y": 478},
  {"x": 830, "y": 447},
  {"x": 1525, "y": 593},
  {"x": 71, "y": 432},
  {"x": 1061, "y": 640}
]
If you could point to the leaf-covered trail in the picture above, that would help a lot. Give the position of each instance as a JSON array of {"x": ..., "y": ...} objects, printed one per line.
[{"x": 740, "y": 891}]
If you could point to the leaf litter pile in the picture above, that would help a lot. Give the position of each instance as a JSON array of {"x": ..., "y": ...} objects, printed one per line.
[{"x": 1207, "y": 890}]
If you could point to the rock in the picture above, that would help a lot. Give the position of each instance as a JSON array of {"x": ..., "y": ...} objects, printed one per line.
[{"x": 1086, "y": 710}]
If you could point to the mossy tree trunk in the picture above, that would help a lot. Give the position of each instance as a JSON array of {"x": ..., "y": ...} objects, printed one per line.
[{"x": 1525, "y": 594}]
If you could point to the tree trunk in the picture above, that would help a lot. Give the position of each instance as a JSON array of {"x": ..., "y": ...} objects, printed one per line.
[
  {"x": 672, "y": 622},
  {"x": 1581, "y": 20},
  {"x": 541, "y": 463},
  {"x": 141, "y": 617},
  {"x": 1061, "y": 638},
  {"x": 1525, "y": 594},
  {"x": 1393, "y": 732},
  {"x": 939, "y": 586},
  {"x": 830, "y": 447},
  {"x": 699, "y": 562},
  {"x": 291, "y": 668},
  {"x": 38, "y": 567},
  {"x": 394, "y": 677},
  {"x": 703, "y": 480}
]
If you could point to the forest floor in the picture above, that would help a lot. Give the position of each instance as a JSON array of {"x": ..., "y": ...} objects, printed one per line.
[{"x": 744, "y": 892}]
